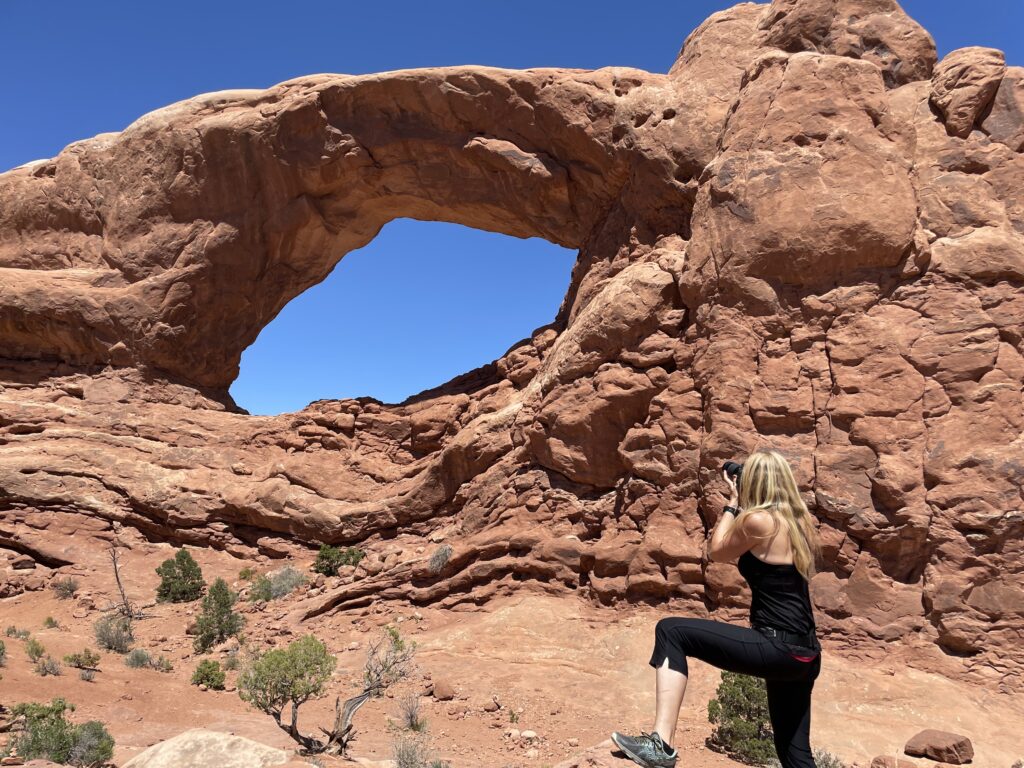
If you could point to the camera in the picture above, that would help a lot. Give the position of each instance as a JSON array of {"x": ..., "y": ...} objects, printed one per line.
[{"x": 733, "y": 469}]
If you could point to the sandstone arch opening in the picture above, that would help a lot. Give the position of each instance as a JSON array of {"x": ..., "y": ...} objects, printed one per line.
[{"x": 422, "y": 303}]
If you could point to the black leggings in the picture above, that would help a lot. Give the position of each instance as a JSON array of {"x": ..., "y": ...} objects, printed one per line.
[{"x": 740, "y": 649}]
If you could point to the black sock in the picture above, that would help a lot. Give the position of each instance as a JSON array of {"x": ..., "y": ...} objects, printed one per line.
[{"x": 668, "y": 747}]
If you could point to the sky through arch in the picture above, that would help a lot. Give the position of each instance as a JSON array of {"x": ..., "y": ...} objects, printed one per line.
[{"x": 419, "y": 304}]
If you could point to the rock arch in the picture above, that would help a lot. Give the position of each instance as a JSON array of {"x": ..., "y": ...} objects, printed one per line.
[{"x": 806, "y": 234}]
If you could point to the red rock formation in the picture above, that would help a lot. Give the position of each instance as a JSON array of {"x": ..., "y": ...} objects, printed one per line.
[{"x": 805, "y": 235}]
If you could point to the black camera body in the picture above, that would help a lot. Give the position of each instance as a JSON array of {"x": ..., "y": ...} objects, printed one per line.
[{"x": 734, "y": 470}]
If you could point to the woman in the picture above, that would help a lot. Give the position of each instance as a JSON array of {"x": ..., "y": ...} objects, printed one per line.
[{"x": 777, "y": 545}]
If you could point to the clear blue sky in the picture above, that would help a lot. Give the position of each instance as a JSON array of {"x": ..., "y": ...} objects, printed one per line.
[{"x": 424, "y": 301}]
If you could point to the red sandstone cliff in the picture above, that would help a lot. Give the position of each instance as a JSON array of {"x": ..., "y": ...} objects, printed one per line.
[{"x": 807, "y": 234}]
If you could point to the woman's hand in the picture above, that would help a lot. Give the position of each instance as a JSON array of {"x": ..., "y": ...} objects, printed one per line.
[{"x": 734, "y": 494}]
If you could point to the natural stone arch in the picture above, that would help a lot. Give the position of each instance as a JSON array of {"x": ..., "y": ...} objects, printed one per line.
[
  {"x": 235, "y": 202},
  {"x": 786, "y": 240}
]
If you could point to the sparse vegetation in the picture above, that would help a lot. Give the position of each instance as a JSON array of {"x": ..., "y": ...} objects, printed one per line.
[
  {"x": 290, "y": 677},
  {"x": 740, "y": 712},
  {"x": 48, "y": 666},
  {"x": 65, "y": 588},
  {"x": 440, "y": 558},
  {"x": 513, "y": 716},
  {"x": 87, "y": 659},
  {"x": 19, "y": 634},
  {"x": 275, "y": 585},
  {"x": 822, "y": 759},
  {"x": 218, "y": 621},
  {"x": 231, "y": 662},
  {"x": 34, "y": 649},
  {"x": 87, "y": 674},
  {"x": 410, "y": 752},
  {"x": 50, "y": 623},
  {"x": 330, "y": 559},
  {"x": 3, "y": 653},
  {"x": 210, "y": 674},
  {"x": 409, "y": 707},
  {"x": 825, "y": 759},
  {"x": 114, "y": 633},
  {"x": 48, "y": 735},
  {"x": 128, "y": 610},
  {"x": 247, "y": 574},
  {"x": 140, "y": 659},
  {"x": 181, "y": 579}
]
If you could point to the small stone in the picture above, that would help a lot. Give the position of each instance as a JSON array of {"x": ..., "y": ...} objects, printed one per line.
[{"x": 443, "y": 690}]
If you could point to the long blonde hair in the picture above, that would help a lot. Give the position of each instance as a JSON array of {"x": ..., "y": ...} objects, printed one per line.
[{"x": 767, "y": 483}]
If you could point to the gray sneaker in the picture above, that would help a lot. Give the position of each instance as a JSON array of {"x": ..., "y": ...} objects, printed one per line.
[{"x": 647, "y": 749}]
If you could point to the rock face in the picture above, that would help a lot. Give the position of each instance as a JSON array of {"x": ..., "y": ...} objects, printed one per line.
[
  {"x": 807, "y": 234},
  {"x": 200, "y": 748}
]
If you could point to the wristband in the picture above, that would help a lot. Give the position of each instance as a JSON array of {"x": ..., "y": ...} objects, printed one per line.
[{"x": 732, "y": 509}]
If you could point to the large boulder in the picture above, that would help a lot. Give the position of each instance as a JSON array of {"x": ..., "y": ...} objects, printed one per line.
[{"x": 200, "y": 748}]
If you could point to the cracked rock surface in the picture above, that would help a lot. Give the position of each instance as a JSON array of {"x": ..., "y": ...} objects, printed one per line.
[{"x": 808, "y": 234}]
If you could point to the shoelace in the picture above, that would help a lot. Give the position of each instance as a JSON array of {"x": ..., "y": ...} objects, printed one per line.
[{"x": 659, "y": 744}]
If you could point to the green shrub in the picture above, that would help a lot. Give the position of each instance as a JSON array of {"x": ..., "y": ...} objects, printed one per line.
[
  {"x": 48, "y": 666},
  {"x": 48, "y": 735},
  {"x": 87, "y": 674},
  {"x": 65, "y": 587},
  {"x": 247, "y": 574},
  {"x": 231, "y": 662},
  {"x": 270, "y": 587},
  {"x": 34, "y": 649},
  {"x": 93, "y": 745},
  {"x": 210, "y": 674},
  {"x": 218, "y": 621},
  {"x": 19, "y": 634},
  {"x": 181, "y": 579},
  {"x": 87, "y": 659},
  {"x": 329, "y": 559},
  {"x": 740, "y": 712},
  {"x": 440, "y": 558},
  {"x": 3, "y": 653},
  {"x": 114, "y": 633},
  {"x": 292, "y": 675},
  {"x": 138, "y": 658},
  {"x": 50, "y": 623}
]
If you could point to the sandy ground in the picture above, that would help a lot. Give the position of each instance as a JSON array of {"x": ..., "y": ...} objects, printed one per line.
[{"x": 570, "y": 671}]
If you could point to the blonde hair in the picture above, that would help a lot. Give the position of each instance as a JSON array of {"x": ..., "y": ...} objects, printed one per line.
[{"x": 767, "y": 483}]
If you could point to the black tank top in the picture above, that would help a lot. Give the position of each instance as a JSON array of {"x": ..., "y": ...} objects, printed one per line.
[{"x": 781, "y": 598}]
